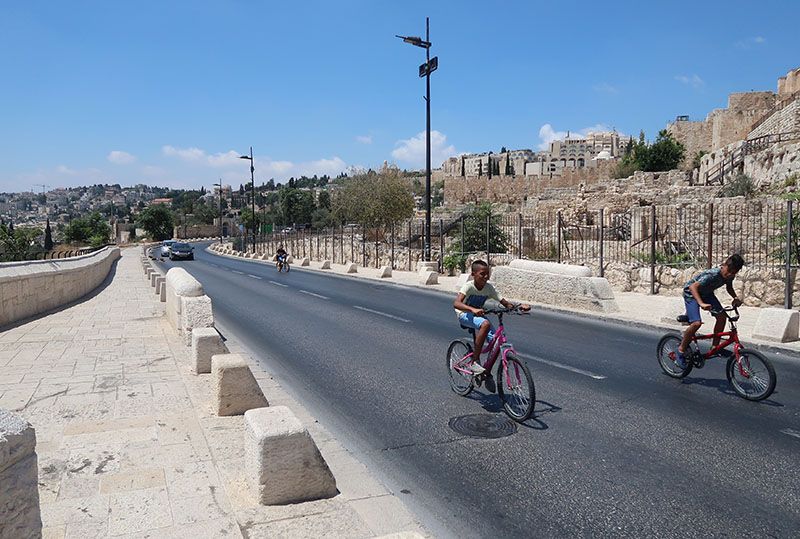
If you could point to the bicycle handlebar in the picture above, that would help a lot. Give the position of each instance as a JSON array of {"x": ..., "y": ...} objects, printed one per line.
[{"x": 506, "y": 310}]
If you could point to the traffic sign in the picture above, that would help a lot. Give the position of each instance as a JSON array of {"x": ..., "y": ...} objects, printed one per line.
[{"x": 429, "y": 67}]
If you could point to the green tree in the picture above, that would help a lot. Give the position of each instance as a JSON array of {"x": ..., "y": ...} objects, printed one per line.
[
  {"x": 374, "y": 199},
  {"x": 157, "y": 220},
  {"x": 48, "y": 237},
  {"x": 18, "y": 243},
  {"x": 296, "y": 205},
  {"x": 91, "y": 230},
  {"x": 664, "y": 154},
  {"x": 324, "y": 200},
  {"x": 475, "y": 220}
]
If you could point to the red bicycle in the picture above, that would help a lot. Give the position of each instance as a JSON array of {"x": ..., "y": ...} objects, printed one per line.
[{"x": 749, "y": 373}]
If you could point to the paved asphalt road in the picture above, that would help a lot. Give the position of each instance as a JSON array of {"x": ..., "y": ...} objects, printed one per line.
[{"x": 616, "y": 448}]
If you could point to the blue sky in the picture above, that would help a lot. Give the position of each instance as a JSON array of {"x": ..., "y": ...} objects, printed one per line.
[{"x": 170, "y": 93}]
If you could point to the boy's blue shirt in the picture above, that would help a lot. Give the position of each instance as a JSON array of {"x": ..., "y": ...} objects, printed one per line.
[{"x": 709, "y": 280}]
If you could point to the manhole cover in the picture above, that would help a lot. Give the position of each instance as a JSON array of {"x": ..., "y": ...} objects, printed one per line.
[{"x": 483, "y": 425}]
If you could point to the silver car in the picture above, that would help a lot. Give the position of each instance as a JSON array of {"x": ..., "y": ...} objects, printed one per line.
[{"x": 165, "y": 247}]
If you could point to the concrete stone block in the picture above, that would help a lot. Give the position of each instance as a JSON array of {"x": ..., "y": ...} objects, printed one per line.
[
  {"x": 290, "y": 259},
  {"x": 463, "y": 279},
  {"x": 234, "y": 389},
  {"x": 196, "y": 312},
  {"x": 163, "y": 293},
  {"x": 429, "y": 277},
  {"x": 304, "y": 261},
  {"x": 206, "y": 342},
  {"x": 265, "y": 256},
  {"x": 351, "y": 268},
  {"x": 777, "y": 325},
  {"x": 423, "y": 267},
  {"x": 160, "y": 282},
  {"x": 19, "y": 495},
  {"x": 385, "y": 272},
  {"x": 153, "y": 278},
  {"x": 576, "y": 292},
  {"x": 551, "y": 267},
  {"x": 282, "y": 462},
  {"x": 326, "y": 264}
]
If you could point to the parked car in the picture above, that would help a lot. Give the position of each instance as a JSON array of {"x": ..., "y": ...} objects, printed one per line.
[
  {"x": 182, "y": 251},
  {"x": 288, "y": 230},
  {"x": 165, "y": 245}
]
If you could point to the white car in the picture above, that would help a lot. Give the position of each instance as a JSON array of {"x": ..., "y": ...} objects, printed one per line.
[{"x": 165, "y": 247}]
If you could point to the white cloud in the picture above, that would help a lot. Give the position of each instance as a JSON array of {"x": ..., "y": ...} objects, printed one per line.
[
  {"x": 605, "y": 88},
  {"x": 694, "y": 81},
  {"x": 751, "y": 42},
  {"x": 119, "y": 157},
  {"x": 412, "y": 151},
  {"x": 364, "y": 140}
]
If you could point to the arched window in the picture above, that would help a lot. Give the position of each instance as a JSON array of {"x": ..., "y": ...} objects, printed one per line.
[{"x": 581, "y": 162}]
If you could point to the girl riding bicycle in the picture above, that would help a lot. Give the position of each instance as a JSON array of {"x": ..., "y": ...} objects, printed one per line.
[{"x": 469, "y": 308}]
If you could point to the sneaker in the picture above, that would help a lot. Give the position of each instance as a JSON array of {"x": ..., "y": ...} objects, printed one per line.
[
  {"x": 680, "y": 359},
  {"x": 490, "y": 385},
  {"x": 476, "y": 368}
]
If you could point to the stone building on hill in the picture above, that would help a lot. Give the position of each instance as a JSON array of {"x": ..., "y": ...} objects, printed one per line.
[{"x": 748, "y": 115}]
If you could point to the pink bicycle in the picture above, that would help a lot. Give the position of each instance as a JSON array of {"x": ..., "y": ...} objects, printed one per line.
[{"x": 514, "y": 381}]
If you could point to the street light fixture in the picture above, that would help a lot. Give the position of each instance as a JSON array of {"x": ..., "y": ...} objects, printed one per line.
[
  {"x": 253, "y": 185},
  {"x": 425, "y": 70},
  {"x": 220, "y": 210}
]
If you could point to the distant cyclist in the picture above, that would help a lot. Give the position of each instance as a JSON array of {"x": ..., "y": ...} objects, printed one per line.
[{"x": 280, "y": 256}]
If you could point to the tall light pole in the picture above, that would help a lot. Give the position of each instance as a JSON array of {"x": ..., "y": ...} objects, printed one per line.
[
  {"x": 253, "y": 185},
  {"x": 425, "y": 70},
  {"x": 220, "y": 210}
]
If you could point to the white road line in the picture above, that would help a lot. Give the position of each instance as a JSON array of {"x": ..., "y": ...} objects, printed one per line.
[
  {"x": 239, "y": 272},
  {"x": 791, "y": 432},
  {"x": 280, "y": 284},
  {"x": 387, "y": 315},
  {"x": 313, "y": 294},
  {"x": 565, "y": 367},
  {"x": 254, "y": 276}
]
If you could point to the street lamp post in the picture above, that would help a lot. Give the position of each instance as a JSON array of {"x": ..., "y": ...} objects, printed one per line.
[
  {"x": 253, "y": 186},
  {"x": 220, "y": 210},
  {"x": 425, "y": 70}
]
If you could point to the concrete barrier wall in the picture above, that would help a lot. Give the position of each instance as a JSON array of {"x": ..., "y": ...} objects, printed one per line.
[
  {"x": 33, "y": 287},
  {"x": 19, "y": 490}
]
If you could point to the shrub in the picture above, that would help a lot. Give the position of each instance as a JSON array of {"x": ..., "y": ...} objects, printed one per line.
[{"x": 740, "y": 185}]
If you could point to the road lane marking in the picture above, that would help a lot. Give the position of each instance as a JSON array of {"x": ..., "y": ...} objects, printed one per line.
[
  {"x": 562, "y": 366},
  {"x": 239, "y": 272},
  {"x": 280, "y": 284},
  {"x": 387, "y": 315},
  {"x": 791, "y": 432},
  {"x": 313, "y": 294},
  {"x": 254, "y": 276}
]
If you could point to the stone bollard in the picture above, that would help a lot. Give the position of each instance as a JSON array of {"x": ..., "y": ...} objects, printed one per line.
[
  {"x": 351, "y": 268},
  {"x": 289, "y": 259},
  {"x": 384, "y": 272},
  {"x": 265, "y": 256},
  {"x": 429, "y": 277},
  {"x": 206, "y": 342},
  {"x": 326, "y": 264},
  {"x": 777, "y": 325},
  {"x": 153, "y": 276},
  {"x": 19, "y": 477},
  {"x": 304, "y": 261},
  {"x": 463, "y": 279},
  {"x": 424, "y": 267},
  {"x": 282, "y": 462},
  {"x": 234, "y": 389},
  {"x": 159, "y": 283}
]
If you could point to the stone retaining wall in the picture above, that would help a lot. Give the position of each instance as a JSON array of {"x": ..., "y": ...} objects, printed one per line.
[{"x": 33, "y": 287}]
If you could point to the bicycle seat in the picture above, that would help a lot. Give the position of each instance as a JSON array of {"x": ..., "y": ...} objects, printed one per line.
[
  {"x": 682, "y": 318},
  {"x": 471, "y": 330}
]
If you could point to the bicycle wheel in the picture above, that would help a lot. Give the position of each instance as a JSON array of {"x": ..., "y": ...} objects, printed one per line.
[
  {"x": 755, "y": 380},
  {"x": 666, "y": 346},
  {"x": 458, "y": 368},
  {"x": 515, "y": 387},
  {"x": 286, "y": 266}
]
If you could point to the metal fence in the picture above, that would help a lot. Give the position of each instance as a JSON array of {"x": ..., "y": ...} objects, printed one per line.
[{"x": 765, "y": 233}]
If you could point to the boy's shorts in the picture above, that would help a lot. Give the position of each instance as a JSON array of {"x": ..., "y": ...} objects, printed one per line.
[
  {"x": 474, "y": 322},
  {"x": 693, "y": 308}
]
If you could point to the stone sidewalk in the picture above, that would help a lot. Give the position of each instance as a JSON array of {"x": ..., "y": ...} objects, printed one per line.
[
  {"x": 637, "y": 309},
  {"x": 127, "y": 442}
]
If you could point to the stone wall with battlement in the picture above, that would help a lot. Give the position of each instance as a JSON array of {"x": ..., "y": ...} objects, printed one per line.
[
  {"x": 784, "y": 120},
  {"x": 790, "y": 84},
  {"x": 516, "y": 190}
]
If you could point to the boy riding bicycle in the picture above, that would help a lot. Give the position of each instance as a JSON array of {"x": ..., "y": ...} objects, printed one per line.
[
  {"x": 469, "y": 308},
  {"x": 280, "y": 255},
  {"x": 698, "y": 294}
]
